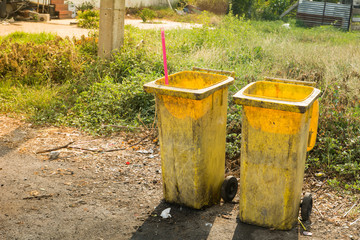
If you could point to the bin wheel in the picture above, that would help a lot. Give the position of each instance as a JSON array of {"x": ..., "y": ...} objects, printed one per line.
[
  {"x": 229, "y": 188},
  {"x": 306, "y": 206}
]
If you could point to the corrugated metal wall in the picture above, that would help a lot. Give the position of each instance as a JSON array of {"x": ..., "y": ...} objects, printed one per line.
[{"x": 323, "y": 13}]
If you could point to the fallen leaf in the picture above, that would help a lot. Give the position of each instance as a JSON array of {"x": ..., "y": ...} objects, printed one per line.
[{"x": 34, "y": 193}]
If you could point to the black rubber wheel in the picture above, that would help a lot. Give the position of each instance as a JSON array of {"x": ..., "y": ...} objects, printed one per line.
[
  {"x": 306, "y": 207},
  {"x": 229, "y": 188}
]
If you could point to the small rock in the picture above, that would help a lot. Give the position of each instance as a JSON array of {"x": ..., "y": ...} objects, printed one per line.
[{"x": 54, "y": 155}]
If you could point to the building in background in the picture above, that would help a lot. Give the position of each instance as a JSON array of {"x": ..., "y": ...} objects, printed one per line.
[{"x": 62, "y": 7}]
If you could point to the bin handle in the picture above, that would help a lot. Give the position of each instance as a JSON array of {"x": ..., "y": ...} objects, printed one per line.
[
  {"x": 313, "y": 125},
  {"x": 296, "y": 82},
  {"x": 231, "y": 74}
]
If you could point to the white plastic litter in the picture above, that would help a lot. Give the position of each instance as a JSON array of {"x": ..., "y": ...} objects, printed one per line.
[
  {"x": 208, "y": 224},
  {"x": 166, "y": 213},
  {"x": 307, "y": 233},
  {"x": 146, "y": 151},
  {"x": 286, "y": 25}
]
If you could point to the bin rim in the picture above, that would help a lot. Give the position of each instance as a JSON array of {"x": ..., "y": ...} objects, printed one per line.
[
  {"x": 194, "y": 94},
  {"x": 300, "y": 106}
]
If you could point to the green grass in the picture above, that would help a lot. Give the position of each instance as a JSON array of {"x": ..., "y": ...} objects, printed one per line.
[
  {"x": 26, "y": 99},
  {"x": 86, "y": 92},
  {"x": 22, "y": 37}
]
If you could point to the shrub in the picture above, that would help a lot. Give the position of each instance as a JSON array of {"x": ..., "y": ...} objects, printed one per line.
[
  {"x": 111, "y": 103},
  {"x": 88, "y": 19},
  {"x": 215, "y": 6},
  {"x": 260, "y": 9},
  {"x": 241, "y": 7},
  {"x": 53, "y": 62},
  {"x": 87, "y": 5},
  {"x": 147, "y": 14},
  {"x": 270, "y": 10}
]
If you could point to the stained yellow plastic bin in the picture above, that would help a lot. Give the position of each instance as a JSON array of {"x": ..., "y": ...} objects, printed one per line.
[
  {"x": 279, "y": 125},
  {"x": 192, "y": 129}
]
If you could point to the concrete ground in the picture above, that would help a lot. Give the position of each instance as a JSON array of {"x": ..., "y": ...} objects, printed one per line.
[{"x": 68, "y": 27}]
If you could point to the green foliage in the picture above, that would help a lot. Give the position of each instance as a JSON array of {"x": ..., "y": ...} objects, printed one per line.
[
  {"x": 353, "y": 185},
  {"x": 117, "y": 97},
  {"x": 88, "y": 19},
  {"x": 147, "y": 14},
  {"x": 37, "y": 72},
  {"x": 334, "y": 183},
  {"x": 22, "y": 37},
  {"x": 339, "y": 133},
  {"x": 26, "y": 99},
  {"x": 84, "y": 6},
  {"x": 88, "y": 46},
  {"x": 108, "y": 102},
  {"x": 233, "y": 137},
  {"x": 260, "y": 9},
  {"x": 241, "y": 7},
  {"x": 49, "y": 60},
  {"x": 270, "y": 10}
]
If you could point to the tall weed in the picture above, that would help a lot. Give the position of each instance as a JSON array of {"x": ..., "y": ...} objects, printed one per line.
[{"x": 52, "y": 60}]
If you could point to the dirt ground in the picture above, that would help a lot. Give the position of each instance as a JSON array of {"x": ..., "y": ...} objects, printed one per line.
[
  {"x": 64, "y": 28},
  {"x": 88, "y": 192}
]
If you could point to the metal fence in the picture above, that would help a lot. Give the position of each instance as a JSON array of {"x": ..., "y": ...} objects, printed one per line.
[{"x": 323, "y": 13}]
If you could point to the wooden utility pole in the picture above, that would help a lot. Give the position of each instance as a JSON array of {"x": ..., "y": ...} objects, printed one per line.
[{"x": 112, "y": 20}]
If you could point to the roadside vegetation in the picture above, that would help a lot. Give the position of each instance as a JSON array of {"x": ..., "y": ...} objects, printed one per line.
[{"x": 50, "y": 80}]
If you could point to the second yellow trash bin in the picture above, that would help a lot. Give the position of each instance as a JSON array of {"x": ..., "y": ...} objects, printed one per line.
[
  {"x": 277, "y": 117},
  {"x": 192, "y": 129}
]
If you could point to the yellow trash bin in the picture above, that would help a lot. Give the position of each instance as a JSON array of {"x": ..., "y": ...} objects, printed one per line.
[
  {"x": 192, "y": 129},
  {"x": 279, "y": 125}
]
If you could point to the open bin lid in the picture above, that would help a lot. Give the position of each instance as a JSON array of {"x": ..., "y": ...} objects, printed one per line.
[
  {"x": 277, "y": 95},
  {"x": 189, "y": 84}
]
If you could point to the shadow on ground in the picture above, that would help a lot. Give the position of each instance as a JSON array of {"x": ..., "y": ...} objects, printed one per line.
[
  {"x": 216, "y": 222},
  {"x": 250, "y": 232},
  {"x": 16, "y": 137},
  {"x": 185, "y": 223}
]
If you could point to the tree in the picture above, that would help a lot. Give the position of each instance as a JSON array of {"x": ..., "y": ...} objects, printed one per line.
[{"x": 241, "y": 7}]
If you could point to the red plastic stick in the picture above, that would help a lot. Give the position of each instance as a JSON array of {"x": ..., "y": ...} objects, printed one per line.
[{"x": 164, "y": 57}]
